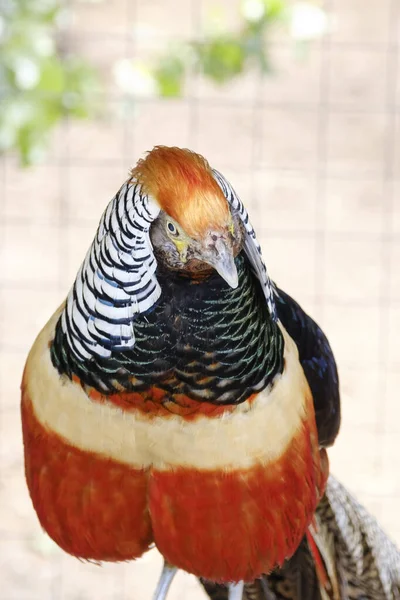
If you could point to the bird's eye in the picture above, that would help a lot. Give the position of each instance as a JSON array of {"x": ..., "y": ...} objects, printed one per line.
[{"x": 172, "y": 229}]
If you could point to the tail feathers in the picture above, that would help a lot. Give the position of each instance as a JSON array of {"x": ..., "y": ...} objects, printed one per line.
[{"x": 318, "y": 561}]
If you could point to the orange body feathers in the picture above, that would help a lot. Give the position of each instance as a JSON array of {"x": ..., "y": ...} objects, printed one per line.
[{"x": 108, "y": 478}]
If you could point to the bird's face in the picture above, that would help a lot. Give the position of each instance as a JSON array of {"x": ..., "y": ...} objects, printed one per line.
[
  {"x": 195, "y": 231},
  {"x": 194, "y": 256}
]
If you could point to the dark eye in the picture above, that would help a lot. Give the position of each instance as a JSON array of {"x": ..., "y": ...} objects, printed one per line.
[{"x": 171, "y": 228}]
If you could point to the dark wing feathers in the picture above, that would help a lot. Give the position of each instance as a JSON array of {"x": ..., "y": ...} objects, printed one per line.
[{"x": 318, "y": 363}]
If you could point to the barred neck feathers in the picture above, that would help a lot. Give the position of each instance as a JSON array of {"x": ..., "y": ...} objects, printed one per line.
[
  {"x": 116, "y": 280},
  {"x": 251, "y": 246}
]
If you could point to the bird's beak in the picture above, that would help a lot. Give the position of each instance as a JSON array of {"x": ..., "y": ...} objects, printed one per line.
[{"x": 220, "y": 257}]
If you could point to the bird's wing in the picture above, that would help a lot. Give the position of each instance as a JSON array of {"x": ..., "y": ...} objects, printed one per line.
[{"x": 318, "y": 363}]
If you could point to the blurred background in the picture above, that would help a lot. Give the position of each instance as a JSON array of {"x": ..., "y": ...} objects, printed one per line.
[{"x": 298, "y": 104}]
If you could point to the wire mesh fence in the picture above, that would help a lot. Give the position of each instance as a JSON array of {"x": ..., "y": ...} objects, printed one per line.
[{"x": 313, "y": 151}]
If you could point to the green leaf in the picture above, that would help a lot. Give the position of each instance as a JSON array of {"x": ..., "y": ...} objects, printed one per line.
[
  {"x": 221, "y": 59},
  {"x": 52, "y": 77},
  {"x": 275, "y": 9},
  {"x": 169, "y": 75}
]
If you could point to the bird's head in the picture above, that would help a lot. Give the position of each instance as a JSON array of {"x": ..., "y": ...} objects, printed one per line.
[
  {"x": 174, "y": 214},
  {"x": 195, "y": 231}
]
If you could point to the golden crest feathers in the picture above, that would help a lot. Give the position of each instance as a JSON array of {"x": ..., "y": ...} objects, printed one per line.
[{"x": 182, "y": 183}]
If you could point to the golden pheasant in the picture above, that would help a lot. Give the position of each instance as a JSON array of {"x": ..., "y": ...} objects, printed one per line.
[{"x": 178, "y": 397}]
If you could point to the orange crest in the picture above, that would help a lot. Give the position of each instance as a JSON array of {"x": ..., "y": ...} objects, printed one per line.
[{"x": 182, "y": 183}]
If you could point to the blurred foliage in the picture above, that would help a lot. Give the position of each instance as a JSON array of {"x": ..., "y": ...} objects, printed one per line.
[
  {"x": 40, "y": 82},
  {"x": 222, "y": 56}
]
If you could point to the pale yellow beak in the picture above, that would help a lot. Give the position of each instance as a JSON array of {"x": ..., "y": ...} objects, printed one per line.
[{"x": 221, "y": 258}]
